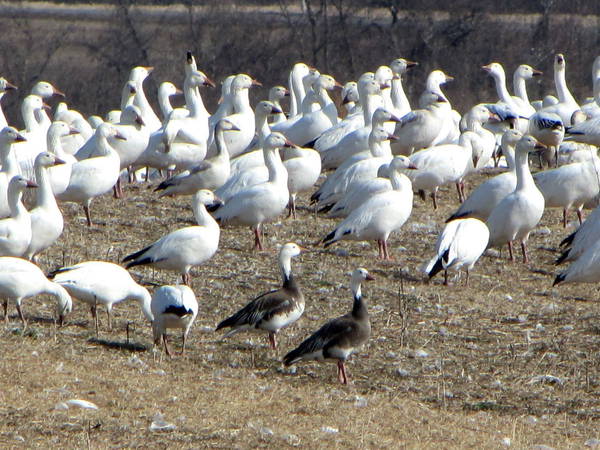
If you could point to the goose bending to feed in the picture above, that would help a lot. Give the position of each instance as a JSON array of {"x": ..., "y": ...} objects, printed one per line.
[
  {"x": 101, "y": 283},
  {"x": 20, "y": 279},
  {"x": 460, "y": 245},
  {"x": 272, "y": 310},
  {"x": 341, "y": 337},
  {"x": 46, "y": 218},
  {"x": 378, "y": 217},
  {"x": 15, "y": 230},
  {"x": 10, "y": 167},
  {"x": 581, "y": 239},
  {"x": 172, "y": 307},
  {"x": 210, "y": 174},
  {"x": 488, "y": 194},
  {"x": 94, "y": 176},
  {"x": 264, "y": 201},
  {"x": 182, "y": 249},
  {"x": 521, "y": 210}
]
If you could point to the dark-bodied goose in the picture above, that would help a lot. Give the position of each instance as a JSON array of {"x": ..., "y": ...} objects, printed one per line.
[
  {"x": 273, "y": 310},
  {"x": 172, "y": 307},
  {"x": 340, "y": 337}
]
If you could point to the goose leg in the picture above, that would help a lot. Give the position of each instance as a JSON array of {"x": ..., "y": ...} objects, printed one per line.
[
  {"x": 445, "y": 278},
  {"x": 5, "y": 305},
  {"x": 565, "y": 218},
  {"x": 580, "y": 215},
  {"x": 386, "y": 252},
  {"x": 108, "y": 319},
  {"x": 459, "y": 191},
  {"x": 21, "y": 316},
  {"x": 187, "y": 279},
  {"x": 510, "y": 251},
  {"x": 434, "y": 199},
  {"x": 379, "y": 249},
  {"x": 524, "y": 250},
  {"x": 342, "y": 373},
  {"x": 166, "y": 345},
  {"x": 257, "y": 242},
  {"x": 95, "y": 316},
  {"x": 86, "y": 209},
  {"x": 467, "y": 278},
  {"x": 183, "y": 338},
  {"x": 272, "y": 340}
]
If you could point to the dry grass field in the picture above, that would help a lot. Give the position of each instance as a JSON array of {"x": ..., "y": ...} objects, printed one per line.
[{"x": 446, "y": 366}]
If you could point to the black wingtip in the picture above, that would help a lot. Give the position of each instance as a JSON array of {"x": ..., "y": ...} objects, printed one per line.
[
  {"x": 561, "y": 259},
  {"x": 568, "y": 240},
  {"x": 328, "y": 240},
  {"x": 559, "y": 279},
  {"x": 326, "y": 208},
  {"x": 458, "y": 215}
]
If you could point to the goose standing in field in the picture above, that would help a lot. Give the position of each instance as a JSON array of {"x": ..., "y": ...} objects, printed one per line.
[
  {"x": 276, "y": 94},
  {"x": 94, "y": 176},
  {"x": 547, "y": 127},
  {"x": 400, "y": 101},
  {"x": 379, "y": 216},
  {"x": 488, "y": 194},
  {"x": 262, "y": 202},
  {"x": 272, "y": 310},
  {"x": 101, "y": 283},
  {"x": 81, "y": 129},
  {"x": 570, "y": 186},
  {"x": 44, "y": 90},
  {"x": 515, "y": 103},
  {"x": 10, "y": 166},
  {"x": 35, "y": 136},
  {"x": 460, "y": 245},
  {"x": 182, "y": 249},
  {"x": 339, "y": 338},
  {"x": 474, "y": 120},
  {"x": 361, "y": 191},
  {"x": 137, "y": 76},
  {"x": 46, "y": 218},
  {"x": 5, "y": 86},
  {"x": 15, "y": 230},
  {"x": 444, "y": 164},
  {"x": 20, "y": 279},
  {"x": 210, "y": 174},
  {"x": 567, "y": 104},
  {"x": 520, "y": 211},
  {"x": 588, "y": 233},
  {"x": 524, "y": 73},
  {"x": 303, "y": 166},
  {"x": 172, "y": 307},
  {"x": 61, "y": 174}
]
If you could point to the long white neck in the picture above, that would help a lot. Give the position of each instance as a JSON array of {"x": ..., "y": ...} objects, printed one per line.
[
  {"x": 55, "y": 144},
  {"x": 142, "y": 102},
  {"x": 509, "y": 155},
  {"x": 3, "y": 122},
  {"x": 14, "y": 203},
  {"x": 399, "y": 98},
  {"x": 371, "y": 103},
  {"x": 277, "y": 171},
  {"x": 44, "y": 195},
  {"x": 203, "y": 217},
  {"x": 65, "y": 303},
  {"x": 164, "y": 103},
  {"x": 28, "y": 113},
  {"x": 564, "y": 95},
  {"x": 241, "y": 101},
  {"x": 10, "y": 166},
  {"x": 104, "y": 148},
  {"x": 327, "y": 105},
  {"x": 285, "y": 262},
  {"x": 520, "y": 87},
  {"x": 193, "y": 100},
  {"x": 262, "y": 127},
  {"x": 142, "y": 295},
  {"x": 501, "y": 89},
  {"x": 524, "y": 178},
  {"x": 222, "y": 153},
  {"x": 297, "y": 91},
  {"x": 379, "y": 150}
]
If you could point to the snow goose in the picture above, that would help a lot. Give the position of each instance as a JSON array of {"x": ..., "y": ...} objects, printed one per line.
[
  {"x": 587, "y": 132},
  {"x": 101, "y": 283},
  {"x": 60, "y": 175},
  {"x": 359, "y": 192},
  {"x": 474, "y": 120},
  {"x": 137, "y": 76},
  {"x": 460, "y": 245},
  {"x": 10, "y": 167},
  {"x": 261, "y": 202},
  {"x": 182, "y": 249},
  {"x": 15, "y": 230},
  {"x": 166, "y": 90},
  {"x": 566, "y": 103},
  {"x": 584, "y": 269},
  {"x": 581, "y": 239},
  {"x": 354, "y": 169},
  {"x": 570, "y": 186},
  {"x": 243, "y": 116},
  {"x": 444, "y": 164},
  {"x": 520, "y": 211},
  {"x": 524, "y": 73},
  {"x": 20, "y": 279},
  {"x": 496, "y": 71},
  {"x": 5, "y": 86},
  {"x": 547, "y": 127},
  {"x": 361, "y": 121},
  {"x": 94, "y": 176},
  {"x": 173, "y": 307},
  {"x": 350, "y": 98},
  {"x": 379, "y": 216},
  {"x": 276, "y": 94},
  {"x": 297, "y": 90},
  {"x": 82, "y": 130},
  {"x": 46, "y": 218},
  {"x": 488, "y": 194},
  {"x": 272, "y": 310},
  {"x": 35, "y": 135},
  {"x": 339, "y": 338},
  {"x": 401, "y": 104},
  {"x": 44, "y": 90},
  {"x": 303, "y": 166},
  {"x": 209, "y": 174}
]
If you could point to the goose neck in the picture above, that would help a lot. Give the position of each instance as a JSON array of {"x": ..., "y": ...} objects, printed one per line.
[
  {"x": 524, "y": 178},
  {"x": 359, "y": 308},
  {"x": 44, "y": 194},
  {"x": 285, "y": 263},
  {"x": 28, "y": 113},
  {"x": 222, "y": 152},
  {"x": 520, "y": 86},
  {"x": 298, "y": 90},
  {"x": 241, "y": 101},
  {"x": 564, "y": 95},
  {"x": 277, "y": 171},
  {"x": 143, "y": 297},
  {"x": 193, "y": 100},
  {"x": 371, "y": 103},
  {"x": 9, "y": 162},
  {"x": 399, "y": 98},
  {"x": 55, "y": 144},
  {"x": 164, "y": 103},
  {"x": 261, "y": 125},
  {"x": 17, "y": 209}
]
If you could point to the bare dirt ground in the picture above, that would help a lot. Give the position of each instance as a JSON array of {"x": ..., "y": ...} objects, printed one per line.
[{"x": 449, "y": 366}]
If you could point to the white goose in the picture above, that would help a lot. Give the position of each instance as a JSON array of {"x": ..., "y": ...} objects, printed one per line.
[
  {"x": 303, "y": 166},
  {"x": 95, "y": 176},
  {"x": 444, "y": 164},
  {"x": 44, "y": 90},
  {"x": 165, "y": 91},
  {"x": 379, "y": 216},
  {"x": 137, "y": 76},
  {"x": 520, "y": 211},
  {"x": 34, "y": 133},
  {"x": 488, "y": 194},
  {"x": 361, "y": 191},
  {"x": 276, "y": 94},
  {"x": 46, "y": 218},
  {"x": 460, "y": 245},
  {"x": 100, "y": 283},
  {"x": 548, "y": 128},
  {"x": 296, "y": 87},
  {"x": 15, "y": 230},
  {"x": 516, "y": 103},
  {"x": 10, "y": 167},
  {"x": 567, "y": 104},
  {"x": 173, "y": 307},
  {"x": 584, "y": 269},
  {"x": 400, "y": 101},
  {"x": 185, "y": 248},
  {"x": 262, "y": 202},
  {"x": 81, "y": 129},
  {"x": 473, "y": 121},
  {"x": 524, "y": 73},
  {"x": 60, "y": 175},
  {"x": 20, "y": 279},
  {"x": 5, "y": 86},
  {"x": 588, "y": 233},
  {"x": 210, "y": 174}
]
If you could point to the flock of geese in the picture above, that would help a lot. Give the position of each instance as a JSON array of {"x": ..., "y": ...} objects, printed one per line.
[{"x": 245, "y": 166}]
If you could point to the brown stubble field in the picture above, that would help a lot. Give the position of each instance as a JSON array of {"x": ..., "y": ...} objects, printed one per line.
[{"x": 450, "y": 366}]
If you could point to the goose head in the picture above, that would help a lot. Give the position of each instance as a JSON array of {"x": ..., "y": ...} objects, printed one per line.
[
  {"x": 549, "y": 100},
  {"x": 19, "y": 183},
  {"x": 401, "y": 162},
  {"x": 45, "y": 90},
  {"x": 559, "y": 62},
  {"x": 286, "y": 253},
  {"x": 197, "y": 78},
  {"x": 527, "y": 72},
  {"x": 495, "y": 70},
  {"x": 132, "y": 114},
  {"x": 277, "y": 140},
  {"x": 480, "y": 114},
  {"x": 207, "y": 198},
  {"x": 310, "y": 78},
  {"x": 432, "y": 99},
  {"x": 379, "y": 134},
  {"x": 578, "y": 116},
  {"x": 368, "y": 87},
  {"x": 58, "y": 128},
  {"x": 47, "y": 159},
  {"x": 168, "y": 89},
  {"x": 226, "y": 125},
  {"x": 106, "y": 130},
  {"x": 510, "y": 138},
  {"x": 9, "y": 135},
  {"x": 438, "y": 77},
  {"x": 243, "y": 81},
  {"x": 190, "y": 62},
  {"x": 326, "y": 82},
  {"x": 5, "y": 85},
  {"x": 33, "y": 103},
  {"x": 277, "y": 93},
  {"x": 401, "y": 65},
  {"x": 528, "y": 144},
  {"x": 265, "y": 107},
  {"x": 382, "y": 115},
  {"x": 358, "y": 277},
  {"x": 140, "y": 73},
  {"x": 350, "y": 92},
  {"x": 384, "y": 76}
]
